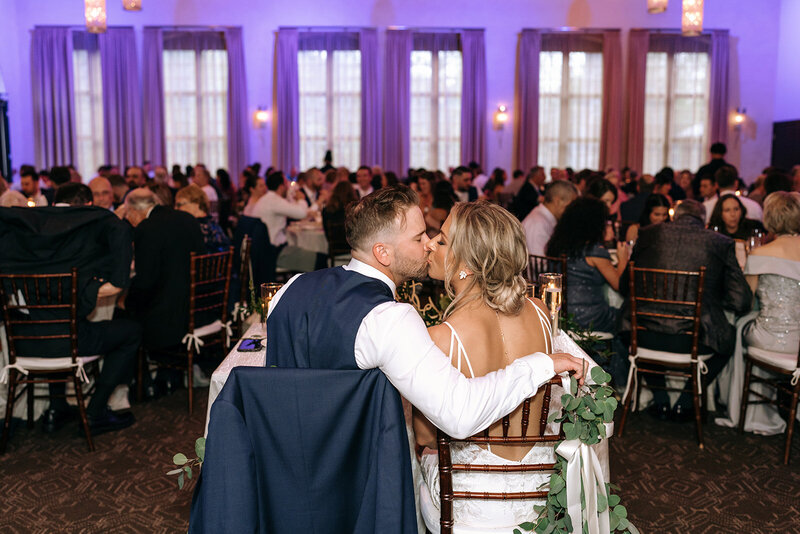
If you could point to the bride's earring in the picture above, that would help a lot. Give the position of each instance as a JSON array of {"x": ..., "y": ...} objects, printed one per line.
[{"x": 462, "y": 274}]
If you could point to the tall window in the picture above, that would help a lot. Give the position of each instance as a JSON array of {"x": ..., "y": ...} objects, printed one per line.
[
  {"x": 676, "y": 110},
  {"x": 88, "y": 100},
  {"x": 570, "y": 108},
  {"x": 329, "y": 84},
  {"x": 435, "y": 125},
  {"x": 196, "y": 103}
]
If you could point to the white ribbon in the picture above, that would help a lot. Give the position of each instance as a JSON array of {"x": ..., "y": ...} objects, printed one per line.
[
  {"x": 795, "y": 376},
  {"x": 239, "y": 312},
  {"x": 190, "y": 338},
  {"x": 633, "y": 376},
  {"x": 583, "y": 466},
  {"x": 228, "y": 332},
  {"x": 4, "y": 372}
]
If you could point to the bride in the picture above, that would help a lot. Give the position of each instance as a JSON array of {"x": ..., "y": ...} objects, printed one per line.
[{"x": 480, "y": 254}]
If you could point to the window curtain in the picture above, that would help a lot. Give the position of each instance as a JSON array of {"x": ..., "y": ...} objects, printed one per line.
[
  {"x": 153, "y": 96},
  {"x": 638, "y": 46},
  {"x": 612, "y": 128},
  {"x": 238, "y": 139},
  {"x": 473, "y": 97},
  {"x": 397, "y": 101},
  {"x": 370, "y": 98},
  {"x": 121, "y": 105},
  {"x": 285, "y": 101},
  {"x": 718, "y": 105},
  {"x": 51, "y": 80},
  {"x": 526, "y": 100}
]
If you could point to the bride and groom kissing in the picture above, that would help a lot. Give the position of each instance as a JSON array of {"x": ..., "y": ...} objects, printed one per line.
[{"x": 346, "y": 319}]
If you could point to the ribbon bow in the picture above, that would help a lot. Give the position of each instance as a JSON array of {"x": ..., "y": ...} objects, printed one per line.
[
  {"x": 190, "y": 338},
  {"x": 702, "y": 369},
  {"x": 795, "y": 376},
  {"x": 239, "y": 312},
  {"x": 584, "y": 466},
  {"x": 79, "y": 371}
]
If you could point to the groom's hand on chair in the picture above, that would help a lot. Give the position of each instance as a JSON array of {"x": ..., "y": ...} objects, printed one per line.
[{"x": 563, "y": 362}]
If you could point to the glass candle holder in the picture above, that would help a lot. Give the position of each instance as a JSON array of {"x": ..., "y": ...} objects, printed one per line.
[
  {"x": 268, "y": 292},
  {"x": 550, "y": 289}
]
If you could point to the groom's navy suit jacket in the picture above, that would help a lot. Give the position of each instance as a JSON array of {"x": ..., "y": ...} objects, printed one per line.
[{"x": 310, "y": 443}]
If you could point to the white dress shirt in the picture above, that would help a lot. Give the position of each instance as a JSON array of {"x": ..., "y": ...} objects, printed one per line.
[
  {"x": 211, "y": 193},
  {"x": 538, "y": 226},
  {"x": 754, "y": 210},
  {"x": 273, "y": 209},
  {"x": 364, "y": 192},
  {"x": 393, "y": 338}
]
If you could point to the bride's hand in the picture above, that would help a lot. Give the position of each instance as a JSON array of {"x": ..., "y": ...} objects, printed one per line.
[{"x": 563, "y": 362}]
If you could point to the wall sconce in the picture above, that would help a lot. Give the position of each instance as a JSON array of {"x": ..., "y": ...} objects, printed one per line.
[
  {"x": 132, "y": 5},
  {"x": 95, "y": 13},
  {"x": 261, "y": 117},
  {"x": 656, "y": 6},
  {"x": 692, "y": 18},
  {"x": 739, "y": 118},
  {"x": 500, "y": 117}
]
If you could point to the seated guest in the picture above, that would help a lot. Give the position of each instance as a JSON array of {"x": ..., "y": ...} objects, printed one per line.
[
  {"x": 364, "y": 181},
  {"x": 718, "y": 151},
  {"x": 333, "y": 215},
  {"x": 727, "y": 178},
  {"x": 602, "y": 190},
  {"x": 254, "y": 188},
  {"x": 729, "y": 218},
  {"x": 686, "y": 245},
  {"x": 540, "y": 223},
  {"x": 99, "y": 245},
  {"x": 388, "y": 179},
  {"x": 227, "y": 198},
  {"x": 425, "y": 183},
  {"x": 663, "y": 182},
  {"x": 159, "y": 294},
  {"x": 29, "y": 187},
  {"x": 777, "y": 180},
  {"x": 120, "y": 189},
  {"x": 310, "y": 183},
  {"x": 773, "y": 272},
  {"x": 516, "y": 183},
  {"x": 631, "y": 210},
  {"x": 162, "y": 192},
  {"x": 202, "y": 179},
  {"x": 194, "y": 201},
  {"x": 274, "y": 210},
  {"x": 656, "y": 210},
  {"x": 462, "y": 185},
  {"x": 135, "y": 177},
  {"x": 530, "y": 194},
  {"x": 102, "y": 194},
  {"x": 685, "y": 184},
  {"x": 443, "y": 200},
  {"x": 708, "y": 187}
]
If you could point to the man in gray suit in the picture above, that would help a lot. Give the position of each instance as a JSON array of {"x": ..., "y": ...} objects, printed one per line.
[{"x": 685, "y": 244}]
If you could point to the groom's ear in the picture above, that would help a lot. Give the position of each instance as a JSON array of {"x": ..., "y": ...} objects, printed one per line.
[{"x": 383, "y": 253}]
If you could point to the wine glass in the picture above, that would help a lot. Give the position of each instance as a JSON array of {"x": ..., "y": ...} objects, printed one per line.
[
  {"x": 551, "y": 284},
  {"x": 268, "y": 292}
]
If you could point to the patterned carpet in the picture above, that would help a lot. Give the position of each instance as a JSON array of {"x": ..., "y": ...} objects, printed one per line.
[{"x": 51, "y": 484}]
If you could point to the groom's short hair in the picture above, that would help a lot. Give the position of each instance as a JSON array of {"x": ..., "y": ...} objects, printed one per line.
[{"x": 377, "y": 213}]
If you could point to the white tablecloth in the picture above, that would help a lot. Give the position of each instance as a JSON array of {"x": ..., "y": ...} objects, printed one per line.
[{"x": 309, "y": 236}]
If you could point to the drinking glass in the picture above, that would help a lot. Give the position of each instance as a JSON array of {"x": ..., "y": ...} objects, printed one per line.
[
  {"x": 550, "y": 284},
  {"x": 268, "y": 292}
]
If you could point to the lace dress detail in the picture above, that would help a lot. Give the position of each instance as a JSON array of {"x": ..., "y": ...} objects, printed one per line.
[{"x": 487, "y": 513}]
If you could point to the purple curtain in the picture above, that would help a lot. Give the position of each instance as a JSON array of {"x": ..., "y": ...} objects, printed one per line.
[
  {"x": 286, "y": 126},
  {"x": 238, "y": 140},
  {"x": 611, "y": 129},
  {"x": 473, "y": 97},
  {"x": 718, "y": 105},
  {"x": 370, "y": 98},
  {"x": 397, "y": 101},
  {"x": 51, "y": 81},
  {"x": 153, "y": 96},
  {"x": 526, "y": 100},
  {"x": 122, "y": 129},
  {"x": 638, "y": 45}
]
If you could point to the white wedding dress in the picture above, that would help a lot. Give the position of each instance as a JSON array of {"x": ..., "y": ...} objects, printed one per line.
[{"x": 489, "y": 516}]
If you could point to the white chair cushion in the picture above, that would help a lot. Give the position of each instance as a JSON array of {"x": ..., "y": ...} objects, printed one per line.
[
  {"x": 668, "y": 357},
  {"x": 52, "y": 364},
  {"x": 778, "y": 359}
]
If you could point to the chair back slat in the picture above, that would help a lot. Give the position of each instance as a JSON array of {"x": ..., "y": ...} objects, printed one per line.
[
  {"x": 39, "y": 307},
  {"x": 210, "y": 280},
  {"x": 447, "y": 468}
]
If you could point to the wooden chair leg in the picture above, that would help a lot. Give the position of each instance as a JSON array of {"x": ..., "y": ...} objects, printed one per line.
[
  {"x": 82, "y": 412},
  {"x": 790, "y": 423},
  {"x": 698, "y": 416},
  {"x": 12, "y": 385},
  {"x": 190, "y": 378},
  {"x": 30, "y": 388},
  {"x": 745, "y": 393},
  {"x": 626, "y": 402}
]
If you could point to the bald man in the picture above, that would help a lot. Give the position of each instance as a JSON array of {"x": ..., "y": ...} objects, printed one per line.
[{"x": 102, "y": 194}]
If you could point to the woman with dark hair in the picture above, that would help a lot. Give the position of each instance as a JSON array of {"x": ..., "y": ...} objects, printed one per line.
[
  {"x": 254, "y": 188},
  {"x": 333, "y": 215},
  {"x": 226, "y": 195},
  {"x": 578, "y": 235},
  {"x": 602, "y": 189},
  {"x": 425, "y": 183},
  {"x": 444, "y": 198},
  {"x": 728, "y": 218},
  {"x": 656, "y": 210},
  {"x": 388, "y": 179},
  {"x": 179, "y": 180}
]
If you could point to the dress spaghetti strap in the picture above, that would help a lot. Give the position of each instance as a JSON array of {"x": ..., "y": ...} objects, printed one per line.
[
  {"x": 544, "y": 320},
  {"x": 461, "y": 351}
]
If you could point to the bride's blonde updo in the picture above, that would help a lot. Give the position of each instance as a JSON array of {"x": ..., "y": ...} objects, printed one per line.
[{"x": 488, "y": 241}]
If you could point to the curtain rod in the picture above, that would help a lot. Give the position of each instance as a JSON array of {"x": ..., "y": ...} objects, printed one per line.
[
  {"x": 190, "y": 28},
  {"x": 572, "y": 29},
  {"x": 435, "y": 29},
  {"x": 672, "y": 30}
]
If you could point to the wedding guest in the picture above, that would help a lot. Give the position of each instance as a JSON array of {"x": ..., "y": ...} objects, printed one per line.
[
  {"x": 530, "y": 194},
  {"x": 254, "y": 188},
  {"x": 135, "y": 177},
  {"x": 29, "y": 187},
  {"x": 227, "y": 196},
  {"x": 333, "y": 215},
  {"x": 656, "y": 210},
  {"x": 727, "y": 178},
  {"x": 632, "y": 209},
  {"x": 516, "y": 183},
  {"x": 718, "y": 151},
  {"x": 364, "y": 181},
  {"x": 425, "y": 191},
  {"x": 388, "y": 179},
  {"x": 777, "y": 180},
  {"x": 119, "y": 187},
  {"x": 685, "y": 183},
  {"x": 602, "y": 190},
  {"x": 194, "y": 201},
  {"x": 462, "y": 185},
  {"x": 203, "y": 180},
  {"x": 686, "y": 245},
  {"x": 730, "y": 218},
  {"x": 443, "y": 200},
  {"x": 540, "y": 223},
  {"x": 102, "y": 194}
]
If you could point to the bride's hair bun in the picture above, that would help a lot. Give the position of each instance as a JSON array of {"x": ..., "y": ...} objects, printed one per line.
[{"x": 489, "y": 241}]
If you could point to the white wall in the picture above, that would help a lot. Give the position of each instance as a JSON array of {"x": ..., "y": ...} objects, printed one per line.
[
  {"x": 753, "y": 26},
  {"x": 787, "y": 87}
]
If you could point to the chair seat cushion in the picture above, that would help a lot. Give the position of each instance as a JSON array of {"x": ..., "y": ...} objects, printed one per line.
[
  {"x": 211, "y": 328},
  {"x": 783, "y": 360},
  {"x": 52, "y": 364},
  {"x": 668, "y": 357}
]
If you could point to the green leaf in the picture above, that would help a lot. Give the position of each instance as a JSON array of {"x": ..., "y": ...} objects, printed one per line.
[
  {"x": 562, "y": 498},
  {"x": 556, "y": 483},
  {"x": 597, "y": 375},
  {"x": 587, "y": 415},
  {"x": 188, "y": 472},
  {"x": 613, "y": 403},
  {"x": 180, "y": 481},
  {"x": 624, "y": 524},
  {"x": 608, "y": 416},
  {"x": 174, "y": 471},
  {"x": 591, "y": 404},
  {"x": 542, "y": 526},
  {"x": 517, "y": 531},
  {"x": 620, "y": 511},
  {"x": 613, "y": 500},
  {"x": 573, "y": 385},
  {"x": 200, "y": 448},
  {"x": 613, "y": 522},
  {"x": 571, "y": 431},
  {"x": 602, "y": 502},
  {"x": 538, "y": 508},
  {"x": 574, "y": 404},
  {"x": 527, "y": 525},
  {"x": 179, "y": 459}
]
